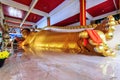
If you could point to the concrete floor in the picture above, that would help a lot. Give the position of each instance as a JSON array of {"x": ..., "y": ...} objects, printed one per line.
[{"x": 49, "y": 65}]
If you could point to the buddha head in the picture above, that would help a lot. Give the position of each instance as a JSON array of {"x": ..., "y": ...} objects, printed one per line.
[{"x": 25, "y": 32}]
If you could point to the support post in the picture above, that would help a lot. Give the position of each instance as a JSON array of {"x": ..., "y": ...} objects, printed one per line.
[
  {"x": 82, "y": 12},
  {"x": 48, "y": 21}
]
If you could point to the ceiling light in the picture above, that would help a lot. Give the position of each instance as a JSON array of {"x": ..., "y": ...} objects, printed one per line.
[{"x": 14, "y": 12}]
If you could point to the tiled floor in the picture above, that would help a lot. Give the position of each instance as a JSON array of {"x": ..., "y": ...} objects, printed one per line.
[{"x": 48, "y": 65}]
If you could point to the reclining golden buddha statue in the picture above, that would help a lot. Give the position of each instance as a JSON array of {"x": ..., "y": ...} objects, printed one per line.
[{"x": 90, "y": 41}]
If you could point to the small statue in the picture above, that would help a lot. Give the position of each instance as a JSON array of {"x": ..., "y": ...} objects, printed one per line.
[{"x": 6, "y": 37}]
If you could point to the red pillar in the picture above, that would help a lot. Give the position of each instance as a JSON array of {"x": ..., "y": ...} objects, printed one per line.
[
  {"x": 82, "y": 12},
  {"x": 48, "y": 21}
]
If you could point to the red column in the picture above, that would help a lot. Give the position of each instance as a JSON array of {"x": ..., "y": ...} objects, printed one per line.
[
  {"x": 82, "y": 12},
  {"x": 48, "y": 21}
]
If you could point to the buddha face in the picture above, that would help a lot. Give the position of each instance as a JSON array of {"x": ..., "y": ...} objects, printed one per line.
[{"x": 25, "y": 32}]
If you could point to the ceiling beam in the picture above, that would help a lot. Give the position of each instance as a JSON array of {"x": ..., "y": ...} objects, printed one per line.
[
  {"x": 34, "y": 2},
  {"x": 43, "y": 21},
  {"x": 60, "y": 7},
  {"x": 90, "y": 17},
  {"x": 18, "y": 21},
  {"x": 67, "y": 9},
  {"x": 17, "y": 25},
  {"x": 23, "y": 7},
  {"x": 71, "y": 9},
  {"x": 105, "y": 15},
  {"x": 115, "y": 4}
]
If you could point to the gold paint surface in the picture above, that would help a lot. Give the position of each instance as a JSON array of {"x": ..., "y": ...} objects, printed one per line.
[{"x": 49, "y": 39}]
